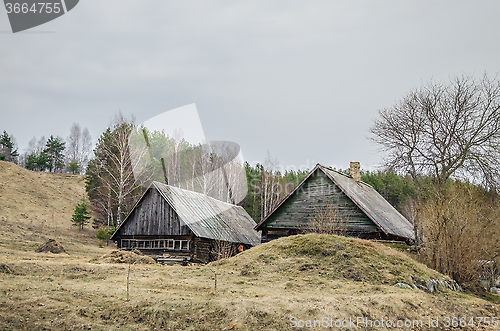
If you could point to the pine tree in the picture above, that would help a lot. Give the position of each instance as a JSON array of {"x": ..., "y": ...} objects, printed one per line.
[
  {"x": 74, "y": 167},
  {"x": 37, "y": 162},
  {"x": 54, "y": 150},
  {"x": 42, "y": 161},
  {"x": 31, "y": 161},
  {"x": 7, "y": 151},
  {"x": 81, "y": 215}
]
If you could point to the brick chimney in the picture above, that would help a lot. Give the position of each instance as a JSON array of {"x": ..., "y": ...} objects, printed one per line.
[{"x": 355, "y": 171}]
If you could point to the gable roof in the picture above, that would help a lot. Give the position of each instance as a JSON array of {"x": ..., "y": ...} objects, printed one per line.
[
  {"x": 379, "y": 210},
  {"x": 207, "y": 217}
]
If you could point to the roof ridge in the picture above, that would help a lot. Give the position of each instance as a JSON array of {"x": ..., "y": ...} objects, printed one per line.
[
  {"x": 194, "y": 192},
  {"x": 341, "y": 173}
]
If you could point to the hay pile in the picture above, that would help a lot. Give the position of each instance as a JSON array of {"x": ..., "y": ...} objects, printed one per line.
[
  {"x": 4, "y": 269},
  {"x": 118, "y": 256},
  {"x": 51, "y": 246}
]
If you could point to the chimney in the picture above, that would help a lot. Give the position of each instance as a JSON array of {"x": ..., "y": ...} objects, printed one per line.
[{"x": 355, "y": 171}]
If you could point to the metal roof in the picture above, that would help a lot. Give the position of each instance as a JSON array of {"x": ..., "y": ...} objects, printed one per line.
[
  {"x": 379, "y": 210},
  {"x": 210, "y": 218}
]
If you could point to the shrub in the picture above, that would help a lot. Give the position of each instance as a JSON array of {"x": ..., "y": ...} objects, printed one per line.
[{"x": 459, "y": 227}]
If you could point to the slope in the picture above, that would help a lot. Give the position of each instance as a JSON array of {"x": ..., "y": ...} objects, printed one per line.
[{"x": 35, "y": 206}]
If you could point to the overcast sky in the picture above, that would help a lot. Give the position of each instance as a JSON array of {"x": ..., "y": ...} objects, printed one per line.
[{"x": 301, "y": 79}]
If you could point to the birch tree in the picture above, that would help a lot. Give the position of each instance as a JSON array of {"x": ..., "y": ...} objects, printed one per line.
[
  {"x": 269, "y": 184},
  {"x": 79, "y": 144},
  {"x": 112, "y": 176}
]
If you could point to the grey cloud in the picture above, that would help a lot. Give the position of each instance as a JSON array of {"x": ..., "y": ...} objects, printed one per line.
[{"x": 302, "y": 79}]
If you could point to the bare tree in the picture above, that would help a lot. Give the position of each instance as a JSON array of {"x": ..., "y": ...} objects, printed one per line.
[
  {"x": 327, "y": 220},
  {"x": 34, "y": 146},
  {"x": 458, "y": 227},
  {"x": 269, "y": 184},
  {"x": 120, "y": 170},
  {"x": 73, "y": 142},
  {"x": 79, "y": 145},
  {"x": 216, "y": 170},
  {"x": 40, "y": 145},
  {"x": 220, "y": 249},
  {"x": 30, "y": 149},
  {"x": 86, "y": 149},
  {"x": 445, "y": 130},
  {"x": 31, "y": 146}
]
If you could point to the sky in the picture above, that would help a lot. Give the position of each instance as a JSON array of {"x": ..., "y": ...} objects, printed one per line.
[{"x": 300, "y": 80}]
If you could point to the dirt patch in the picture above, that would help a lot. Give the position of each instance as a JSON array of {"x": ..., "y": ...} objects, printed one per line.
[
  {"x": 51, "y": 246},
  {"x": 118, "y": 256}
]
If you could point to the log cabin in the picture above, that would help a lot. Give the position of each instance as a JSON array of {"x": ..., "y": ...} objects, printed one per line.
[
  {"x": 168, "y": 219},
  {"x": 363, "y": 211}
]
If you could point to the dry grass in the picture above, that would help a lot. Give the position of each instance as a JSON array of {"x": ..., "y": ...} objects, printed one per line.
[
  {"x": 119, "y": 256},
  {"x": 308, "y": 276},
  {"x": 37, "y": 206},
  {"x": 259, "y": 289}
]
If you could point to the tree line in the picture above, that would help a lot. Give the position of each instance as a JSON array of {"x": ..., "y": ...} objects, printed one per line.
[{"x": 54, "y": 154}]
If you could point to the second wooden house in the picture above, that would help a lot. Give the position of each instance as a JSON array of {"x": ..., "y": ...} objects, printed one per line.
[{"x": 363, "y": 211}]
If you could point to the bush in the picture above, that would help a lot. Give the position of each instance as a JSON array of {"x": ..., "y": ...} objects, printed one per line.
[
  {"x": 459, "y": 228},
  {"x": 104, "y": 233}
]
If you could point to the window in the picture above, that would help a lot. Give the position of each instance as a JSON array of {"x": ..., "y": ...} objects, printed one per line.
[{"x": 170, "y": 244}]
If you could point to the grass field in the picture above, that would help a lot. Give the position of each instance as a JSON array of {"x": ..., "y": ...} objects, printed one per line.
[{"x": 307, "y": 277}]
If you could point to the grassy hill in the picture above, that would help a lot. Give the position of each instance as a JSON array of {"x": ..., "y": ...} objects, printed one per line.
[
  {"x": 35, "y": 206},
  {"x": 306, "y": 277}
]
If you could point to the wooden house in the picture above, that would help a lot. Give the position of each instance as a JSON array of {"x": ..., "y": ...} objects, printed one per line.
[
  {"x": 364, "y": 212},
  {"x": 171, "y": 220}
]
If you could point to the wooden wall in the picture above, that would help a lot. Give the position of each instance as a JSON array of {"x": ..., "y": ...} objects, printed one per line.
[
  {"x": 153, "y": 216},
  {"x": 202, "y": 249},
  {"x": 205, "y": 249},
  {"x": 318, "y": 191}
]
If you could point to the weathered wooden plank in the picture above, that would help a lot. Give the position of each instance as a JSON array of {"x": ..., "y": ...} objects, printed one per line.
[
  {"x": 154, "y": 217},
  {"x": 318, "y": 191}
]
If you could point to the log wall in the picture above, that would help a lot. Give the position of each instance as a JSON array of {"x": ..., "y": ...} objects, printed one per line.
[
  {"x": 153, "y": 217},
  {"x": 316, "y": 192}
]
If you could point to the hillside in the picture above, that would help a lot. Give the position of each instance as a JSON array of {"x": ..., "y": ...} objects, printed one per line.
[
  {"x": 307, "y": 277},
  {"x": 35, "y": 206}
]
